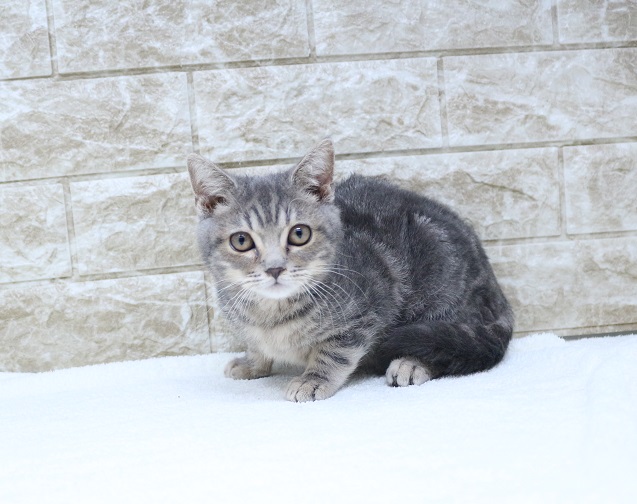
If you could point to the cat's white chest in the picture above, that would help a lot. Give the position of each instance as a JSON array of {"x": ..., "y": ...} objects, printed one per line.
[{"x": 283, "y": 343}]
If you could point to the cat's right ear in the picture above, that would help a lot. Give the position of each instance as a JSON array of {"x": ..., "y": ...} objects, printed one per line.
[
  {"x": 211, "y": 185},
  {"x": 315, "y": 172}
]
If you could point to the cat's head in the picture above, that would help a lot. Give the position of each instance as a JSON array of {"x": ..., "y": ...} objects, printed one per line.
[{"x": 272, "y": 236}]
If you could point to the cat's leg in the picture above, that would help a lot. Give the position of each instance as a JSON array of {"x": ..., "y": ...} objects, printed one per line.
[
  {"x": 329, "y": 366},
  {"x": 443, "y": 348},
  {"x": 407, "y": 371},
  {"x": 251, "y": 365}
]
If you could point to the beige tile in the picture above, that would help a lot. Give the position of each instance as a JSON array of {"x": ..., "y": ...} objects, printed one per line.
[
  {"x": 282, "y": 111},
  {"x": 33, "y": 233},
  {"x": 570, "y": 285},
  {"x": 528, "y": 97},
  {"x": 105, "y": 35},
  {"x": 51, "y": 128},
  {"x": 261, "y": 170},
  {"x": 505, "y": 194},
  {"x": 64, "y": 324},
  {"x": 133, "y": 223},
  {"x": 601, "y": 188},
  {"x": 596, "y": 20},
  {"x": 416, "y": 25},
  {"x": 24, "y": 39}
]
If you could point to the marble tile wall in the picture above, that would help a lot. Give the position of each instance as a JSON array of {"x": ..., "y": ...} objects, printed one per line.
[
  {"x": 24, "y": 39},
  {"x": 519, "y": 114}
]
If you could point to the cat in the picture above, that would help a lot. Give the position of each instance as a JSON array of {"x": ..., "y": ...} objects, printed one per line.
[{"x": 355, "y": 276}]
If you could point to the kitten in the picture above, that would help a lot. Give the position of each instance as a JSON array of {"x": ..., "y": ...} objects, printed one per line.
[{"x": 359, "y": 275}]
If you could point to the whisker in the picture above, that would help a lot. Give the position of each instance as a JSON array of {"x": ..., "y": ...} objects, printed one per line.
[
  {"x": 324, "y": 299},
  {"x": 306, "y": 289},
  {"x": 327, "y": 293},
  {"x": 236, "y": 299},
  {"x": 328, "y": 270}
]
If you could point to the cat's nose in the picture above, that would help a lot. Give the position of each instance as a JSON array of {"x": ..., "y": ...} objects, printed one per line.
[{"x": 275, "y": 272}]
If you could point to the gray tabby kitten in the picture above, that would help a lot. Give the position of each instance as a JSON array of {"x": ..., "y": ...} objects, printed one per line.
[{"x": 360, "y": 275}]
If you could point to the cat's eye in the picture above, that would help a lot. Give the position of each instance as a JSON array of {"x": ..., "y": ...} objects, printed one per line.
[
  {"x": 241, "y": 241},
  {"x": 299, "y": 235}
]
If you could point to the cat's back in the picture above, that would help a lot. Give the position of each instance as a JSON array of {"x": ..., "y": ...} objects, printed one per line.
[
  {"x": 394, "y": 214},
  {"x": 431, "y": 257}
]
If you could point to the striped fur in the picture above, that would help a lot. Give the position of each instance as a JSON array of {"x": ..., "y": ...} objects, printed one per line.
[{"x": 389, "y": 281}]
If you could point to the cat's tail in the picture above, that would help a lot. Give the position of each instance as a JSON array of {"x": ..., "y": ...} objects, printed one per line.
[{"x": 447, "y": 348}]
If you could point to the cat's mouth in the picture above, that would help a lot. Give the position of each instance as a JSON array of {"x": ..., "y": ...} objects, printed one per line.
[{"x": 277, "y": 289}]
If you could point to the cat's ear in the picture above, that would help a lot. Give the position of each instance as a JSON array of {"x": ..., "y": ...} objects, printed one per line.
[
  {"x": 315, "y": 173},
  {"x": 211, "y": 185}
]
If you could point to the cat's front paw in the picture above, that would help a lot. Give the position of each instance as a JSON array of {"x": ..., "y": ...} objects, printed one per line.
[
  {"x": 309, "y": 388},
  {"x": 242, "y": 369}
]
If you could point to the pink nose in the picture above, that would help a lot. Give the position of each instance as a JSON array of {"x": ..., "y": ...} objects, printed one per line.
[{"x": 274, "y": 272}]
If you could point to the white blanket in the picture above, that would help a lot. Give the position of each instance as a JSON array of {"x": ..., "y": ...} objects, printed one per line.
[{"x": 555, "y": 422}]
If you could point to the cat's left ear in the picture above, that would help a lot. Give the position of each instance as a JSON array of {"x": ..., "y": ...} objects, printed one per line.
[{"x": 315, "y": 173}]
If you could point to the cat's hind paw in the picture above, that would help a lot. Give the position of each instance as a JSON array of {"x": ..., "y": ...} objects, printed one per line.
[
  {"x": 406, "y": 371},
  {"x": 307, "y": 388}
]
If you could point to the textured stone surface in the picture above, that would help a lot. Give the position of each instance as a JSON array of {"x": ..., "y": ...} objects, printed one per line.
[
  {"x": 601, "y": 188},
  {"x": 33, "y": 236},
  {"x": 529, "y": 97},
  {"x": 505, "y": 194},
  {"x": 24, "y": 39},
  {"x": 276, "y": 112},
  {"x": 133, "y": 223},
  {"x": 50, "y": 128},
  {"x": 132, "y": 34},
  {"x": 597, "y": 20},
  {"x": 64, "y": 324},
  {"x": 570, "y": 285},
  {"x": 413, "y": 25}
]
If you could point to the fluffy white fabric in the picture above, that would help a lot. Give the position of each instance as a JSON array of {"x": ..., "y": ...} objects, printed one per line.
[{"x": 555, "y": 422}]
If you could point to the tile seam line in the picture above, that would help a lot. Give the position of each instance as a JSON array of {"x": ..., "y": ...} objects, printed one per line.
[
  {"x": 164, "y": 270},
  {"x": 346, "y": 156},
  {"x": 97, "y": 277},
  {"x": 50, "y": 19},
  {"x": 97, "y": 176},
  {"x": 200, "y": 267},
  {"x": 209, "y": 323},
  {"x": 627, "y": 332},
  {"x": 559, "y": 240},
  {"x": 555, "y": 26},
  {"x": 171, "y": 270},
  {"x": 311, "y": 31},
  {"x": 326, "y": 59},
  {"x": 525, "y": 332},
  {"x": 442, "y": 98},
  {"x": 192, "y": 111},
  {"x": 561, "y": 177},
  {"x": 194, "y": 268},
  {"x": 463, "y": 149},
  {"x": 71, "y": 232}
]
